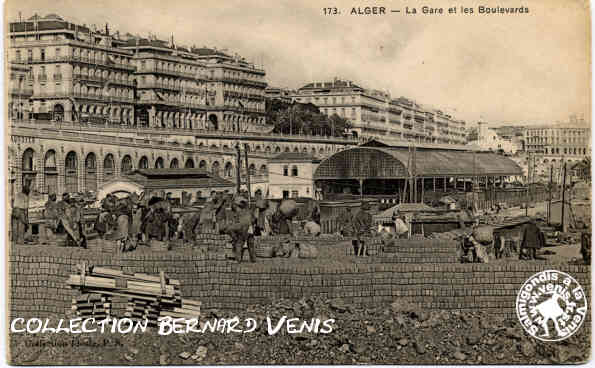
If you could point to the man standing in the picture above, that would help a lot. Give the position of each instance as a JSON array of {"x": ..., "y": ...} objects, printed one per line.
[
  {"x": 531, "y": 240},
  {"x": 50, "y": 215},
  {"x": 20, "y": 214},
  {"x": 345, "y": 223},
  {"x": 241, "y": 229},
  {"x": 362, "y": 223}
]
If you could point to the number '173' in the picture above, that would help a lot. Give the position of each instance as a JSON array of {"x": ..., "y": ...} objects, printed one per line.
[{"x": 330, "y": 11}]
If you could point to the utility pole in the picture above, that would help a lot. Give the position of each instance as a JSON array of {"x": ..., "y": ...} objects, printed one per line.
[
  {"x": 238, "y": 168},
  {"x": 549, "y": 205},
  {"x": 247, "y": 173},
  {"x": 563, "y": 197}
]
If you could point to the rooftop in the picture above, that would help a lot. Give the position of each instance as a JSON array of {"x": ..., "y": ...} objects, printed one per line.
[
  {"x": 175, "y": 178},
  {"x": 294, "y": 157}
]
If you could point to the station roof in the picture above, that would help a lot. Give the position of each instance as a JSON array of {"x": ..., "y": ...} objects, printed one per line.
[
  {"x": 175, "y": 178},
  {"x": 393, "y": 163}
]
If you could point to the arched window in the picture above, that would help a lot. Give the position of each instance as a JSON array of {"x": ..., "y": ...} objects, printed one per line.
[
  {"x": 263, "y": 170},
  {"x": 126, "y": 164},
  {"x": 143, "y": 163},
  {"x": 174, "y": 164},
  {"x": 159, "y": 163},
  {"x": 287, "y": 149},
  {"x": 267, "y": 149},
  {"x": 252, "y": 169},
  {"x": 294, "y": 170},
  {"x": 277, "y": 149},
  {"x": 70, "y": 173},
  {"x": 202, "y": 164},
  {"x": 285, "y": 170},
  {"x": 215, "y": 168},
  {"x": 296, "y": 150},
  {"x": 91, "y": 172},
  {"x": 51, "y": 172},
  {"x": 108, "y": 167},
  {"x": 189, "y": 164}
]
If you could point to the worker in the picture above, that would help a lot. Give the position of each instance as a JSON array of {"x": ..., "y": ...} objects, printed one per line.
[
  {"x": 71, "y": 221},
  {"x": 50, "y": 215},
  {"x": 280, "y": 223},
  {"x": 362, "y": 223},
  {"x": 315, "y": 215},
  {"x": 345, "y": 223},
  {"x": 401, "y": 227},
  {"x": 241, "y": 229},
  {"x": 260, "y": 209},
  {"x": 312, "y": 228},
  {"x": 155, "y": 221},
  {"x": 532, "y": 239},
  {"x": 20, "y": 214}
]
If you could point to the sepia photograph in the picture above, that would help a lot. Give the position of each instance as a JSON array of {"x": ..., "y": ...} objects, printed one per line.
[{"x": 199, "y": 182}]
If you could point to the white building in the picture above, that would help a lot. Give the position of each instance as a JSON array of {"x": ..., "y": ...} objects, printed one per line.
[
  {"x": 291, "y": 175},
  {"x": 488, "y": 139}
]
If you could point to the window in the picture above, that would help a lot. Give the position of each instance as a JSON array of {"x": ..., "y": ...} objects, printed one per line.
[
  {"x": 286, "y": 194},
  {"x": 294, "y": 194},
  {"x": 42, "y": 55},
  {"x": 142, "y": 64},
  {"x": 58, "y": 52},
  {"x": 294, "y": 170},
  {"x": 29, "y": 55},
  {"x": 18, "y": 55},
  {"x": 285, "y": 171}
]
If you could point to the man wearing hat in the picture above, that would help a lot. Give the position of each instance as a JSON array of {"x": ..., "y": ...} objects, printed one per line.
[{"x": 241, "y": 229}]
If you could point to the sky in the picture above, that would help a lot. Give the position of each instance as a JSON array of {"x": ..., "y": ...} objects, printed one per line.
[{"x": 503, "y": 69}]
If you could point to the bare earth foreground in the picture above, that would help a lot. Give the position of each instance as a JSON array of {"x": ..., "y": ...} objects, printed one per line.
[{"x": 385, "y": 334}]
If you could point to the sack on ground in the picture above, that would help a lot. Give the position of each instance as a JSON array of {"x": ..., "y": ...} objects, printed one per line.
[
  {"x": 288, "y": 208},
  {"x": 400, "y": 227},
  {"x": 484, "y": 234},
  {"x": 308, "y": 251}
]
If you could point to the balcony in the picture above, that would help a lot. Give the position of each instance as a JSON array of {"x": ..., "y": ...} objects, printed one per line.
[
  {"x": 175, "y": 73},
  {"x": 23, "y": 91},
  {"x": 156, "y": 85},
  {"x": 101, "y": 79}
]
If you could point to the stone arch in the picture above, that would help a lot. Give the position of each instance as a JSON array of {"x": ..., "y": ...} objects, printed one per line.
[
  {"x": 202, "y": 164},
  {"x": 58, "y": 112},
  {"x": 71, "y": 172},
  {"x": 174, "y": 164},
  {"x": 159, "y": 164},
  {"x": 215, "y": 167},
  {"x": 189, "y": 164},
  {"x": 267, "y": 149},
  {"x": 91, "y": 172},
  {"x": 305, "y": 150},
  {"x": 213, "y": 122},
  {"x": 277, "y": 149},
  {"x": 126, "y": 165},
  {"x": 263, "y": 170},
  {"x": 257, "y": 148},
  {"x": 50, "y": 171},
  {"x": 143, "y": 163},
  {"x": 252, "y": 169},
  {"x": 109, "y": 167},
  {"x": 287, "y": 149}
]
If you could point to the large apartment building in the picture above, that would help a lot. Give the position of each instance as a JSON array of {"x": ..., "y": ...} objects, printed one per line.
[
  {"x": 82, "y": 74},
  {"x": 374, "y": 114},
  {"x": 549, "y": 141}
]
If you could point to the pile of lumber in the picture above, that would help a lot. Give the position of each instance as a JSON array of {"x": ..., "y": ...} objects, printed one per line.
[
  {"x": 92, "y": 305},
  {"x": 149, "y": 297}
]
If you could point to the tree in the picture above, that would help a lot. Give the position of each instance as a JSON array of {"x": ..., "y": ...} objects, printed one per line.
[{"x": 297, "y": 118}]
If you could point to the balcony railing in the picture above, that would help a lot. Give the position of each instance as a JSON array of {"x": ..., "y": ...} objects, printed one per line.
[
  {"x": 177, "y": 73},
  {"x": 87, "y": 127},
  {"x": 101, "y": 79},
  {"x": 23, "y": 91}
]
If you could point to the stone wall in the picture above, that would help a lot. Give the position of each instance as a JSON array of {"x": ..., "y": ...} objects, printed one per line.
[{"x": 37, "y": 278}]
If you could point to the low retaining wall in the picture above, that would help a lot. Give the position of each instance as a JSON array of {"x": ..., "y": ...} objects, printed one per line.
[{"x": 38, "y": 280}]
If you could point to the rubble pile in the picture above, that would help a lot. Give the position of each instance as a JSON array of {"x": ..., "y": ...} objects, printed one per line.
[{"x": 397, "y": 333}]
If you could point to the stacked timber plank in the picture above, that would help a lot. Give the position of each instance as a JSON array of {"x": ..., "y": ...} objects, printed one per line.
[
  {"x": 92, "y": 305},
  {"x": 149, "y": 297}
]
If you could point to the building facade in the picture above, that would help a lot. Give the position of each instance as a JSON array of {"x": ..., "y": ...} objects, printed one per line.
[
  {"x": 375, "y": 115},
  {"x": 554, "y": 142},
  {"x": 490, "y": 140},
  {"x": 291, "y": 175}
]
